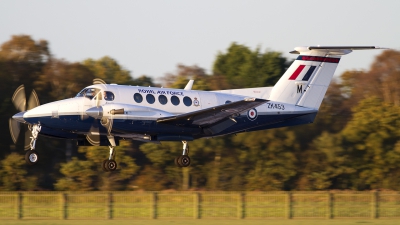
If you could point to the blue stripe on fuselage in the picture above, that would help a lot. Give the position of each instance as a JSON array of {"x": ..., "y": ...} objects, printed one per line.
[{"x": 66, "y": 126}]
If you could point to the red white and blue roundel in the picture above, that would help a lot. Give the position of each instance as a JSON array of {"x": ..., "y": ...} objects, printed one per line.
[{"x": 252, "y": 114}]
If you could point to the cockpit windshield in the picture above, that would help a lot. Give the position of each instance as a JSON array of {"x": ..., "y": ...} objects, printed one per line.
[{"x": 88, "y": 93}]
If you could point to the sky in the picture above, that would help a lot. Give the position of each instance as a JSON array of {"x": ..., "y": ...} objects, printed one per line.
[{"x": 151, "y": 37}]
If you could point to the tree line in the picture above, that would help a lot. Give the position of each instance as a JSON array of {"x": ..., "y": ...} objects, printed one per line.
[{"x": 353, "y": 144}]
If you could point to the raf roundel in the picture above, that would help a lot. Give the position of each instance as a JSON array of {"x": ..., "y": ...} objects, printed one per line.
[{"x": 252, "y": 114}]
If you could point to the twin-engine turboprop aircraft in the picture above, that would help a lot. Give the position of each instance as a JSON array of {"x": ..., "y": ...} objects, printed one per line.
[{"x": 102, "y": 114}]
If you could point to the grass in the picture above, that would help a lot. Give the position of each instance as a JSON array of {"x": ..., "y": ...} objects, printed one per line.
[{"x": 201, "y": 222}]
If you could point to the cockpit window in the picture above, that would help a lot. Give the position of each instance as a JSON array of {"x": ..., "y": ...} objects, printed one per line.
[
  {"x": 81, "y": 93},
  {"x": 88, "y": 93}
]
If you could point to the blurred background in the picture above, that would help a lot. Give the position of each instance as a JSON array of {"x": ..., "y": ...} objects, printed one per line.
[
  {"x": 59, "y": 48},
  {"x": 353, "y": 144}
]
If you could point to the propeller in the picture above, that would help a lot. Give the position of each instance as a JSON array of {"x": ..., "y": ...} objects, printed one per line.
[
  {"x": 94, "y": 133},
  {"x": 19, "y": 101},
  {"x": 106, "y": 121},
  {"x": 98, "y": 81}
]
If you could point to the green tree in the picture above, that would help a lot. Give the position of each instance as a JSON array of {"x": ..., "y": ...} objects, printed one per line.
[
  {"x": 326, "y": 164},
  {"x": 87, "y": 173},
  {"x": 372, "y": 138},
  {"x": 21, "y": 62},
  {"x": 268, "y": 157},
  {"x": 24, "y": 58},
  {"x": 203, "y": 173},
  {"x": 14, "y": 175},
  {"x": 144, "y": 81},
  {"x": 161, "y": 173},
  {"x": 381, "y": 80},
  {"x": 109, "y": 70},
  {"x": 184, "y": 74},
  {"x": 245, "y": 68},
  {"x": 60, "y": 80},
  {"x": 22, "y": 48},
  {"x": 79, "y": 176}
]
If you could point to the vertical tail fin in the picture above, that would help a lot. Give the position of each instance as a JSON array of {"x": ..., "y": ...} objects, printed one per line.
[{"x": 307, "y": 79}]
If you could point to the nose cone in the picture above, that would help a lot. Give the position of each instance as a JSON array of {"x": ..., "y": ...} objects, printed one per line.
[
  {"x": 19, "y": 117},
  {"x": 95, "y": 112}
]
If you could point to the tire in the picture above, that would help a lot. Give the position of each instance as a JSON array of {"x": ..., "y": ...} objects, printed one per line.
[
  {"x": 31, "y": 157},
  {"x": 177, "y": 161},
  {"x": 111, "y": 165},
  {"x": 184, "y": 160},
  {"x": 104, "y": 165}
]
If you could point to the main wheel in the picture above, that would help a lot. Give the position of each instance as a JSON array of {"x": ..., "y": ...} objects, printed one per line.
[
  {"x": 104, "y": 165},
  {"x": 31, "y": 157},
  {"x": 184, "y": 160},
  {"x": 111, "y": 165}
]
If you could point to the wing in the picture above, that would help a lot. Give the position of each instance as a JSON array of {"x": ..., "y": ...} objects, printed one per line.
[{"x": 213, "y": 115}]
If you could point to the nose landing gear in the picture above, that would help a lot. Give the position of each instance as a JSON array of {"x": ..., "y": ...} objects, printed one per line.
[
  {"x": 110, "y": 164},
  {"x": 184, "y": 159},
  {"x": 31, "y": 156}
]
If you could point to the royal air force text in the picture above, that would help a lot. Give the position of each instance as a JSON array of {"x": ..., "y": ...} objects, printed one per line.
[{"x": 158, "y": 92}]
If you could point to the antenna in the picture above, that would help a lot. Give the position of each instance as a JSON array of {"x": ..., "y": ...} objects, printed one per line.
[{"x": 189, "y": 85}]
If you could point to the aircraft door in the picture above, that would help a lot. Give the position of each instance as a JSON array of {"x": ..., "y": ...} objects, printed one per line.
[{"x": 207, "y": 99}]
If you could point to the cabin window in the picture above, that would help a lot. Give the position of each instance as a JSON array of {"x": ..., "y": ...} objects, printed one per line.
[
  {"x": 138, "y": 98},
  {"x": 108, "y": 96},
  {"x": 228, "y": 101},
  {"x": 162, "y": 99},
  {"x": 175, "y": 100},
  {"x": 187, "y": 101},
  {"x": 150, "y": 98}
]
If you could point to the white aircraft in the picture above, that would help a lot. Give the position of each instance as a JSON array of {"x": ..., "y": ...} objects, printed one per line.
[{"x": 102, "y": 114}]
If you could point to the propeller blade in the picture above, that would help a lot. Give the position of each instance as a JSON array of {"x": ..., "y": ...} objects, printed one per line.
[
  {"x": 15, "y": 129},
  {"x": 28, "y": 133},
  {"x": 19, "y": 98},
  {"x": 33, "y": 100},
  {"x": 94, "y": 134},
  {"x": 98, "y": 81},
  {"x": 93, "y": 139},
  {"x": 98, "y": 97}
]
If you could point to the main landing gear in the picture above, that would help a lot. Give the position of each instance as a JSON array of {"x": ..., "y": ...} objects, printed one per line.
[
  {"x": 31, "y": 156},
  {"x": 110, "y": 164},
  {"x": 184, "y": 159}
]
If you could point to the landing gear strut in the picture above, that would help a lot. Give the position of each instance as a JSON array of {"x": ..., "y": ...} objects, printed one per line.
[
  {"x": 110, "y": 164},
  {"x": 184, "y": 159},
  {"x": 31, "y": 156}
]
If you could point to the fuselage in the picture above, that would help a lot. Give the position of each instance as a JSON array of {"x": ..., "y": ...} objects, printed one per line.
[{"x": 142, "y": 106}]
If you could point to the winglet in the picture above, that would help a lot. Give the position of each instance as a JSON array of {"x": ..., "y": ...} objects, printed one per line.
[{"x": 189, "y": 85}]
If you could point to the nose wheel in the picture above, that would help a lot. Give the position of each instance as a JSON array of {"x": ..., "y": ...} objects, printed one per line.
[
  {"x": 184, "y": 159},
  {"x": 31, "y": 157}
]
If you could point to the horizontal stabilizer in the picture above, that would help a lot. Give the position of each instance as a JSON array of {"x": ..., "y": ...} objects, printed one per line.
[{"x": 331, "y": 49}]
